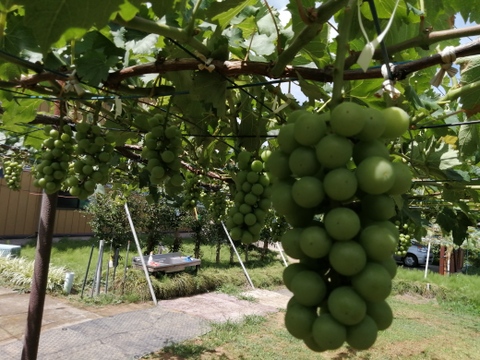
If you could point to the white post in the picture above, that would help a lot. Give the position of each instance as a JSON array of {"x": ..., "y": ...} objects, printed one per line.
[
  {"x": 98, "y": 276},
  {"x": 428, "y": 259},
  {"x": 144, "y": 266},
  {"x": 280, "y": 248},
  {"x": 238, "y": 256}
]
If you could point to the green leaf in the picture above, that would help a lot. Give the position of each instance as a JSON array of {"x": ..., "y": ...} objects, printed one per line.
[
  {"x": 468, "y": 140},
  {"x": 446, "y": 219},
  {"x": 222, "y": 13},
  {"x": 34, "y": 139},
  {"x": 449, "y": 159},
  {"x": 460, "y": 231},
  {"x": 211, "y": 89},
  {"x": 93, "y": 67},
  {"x": 262, "y": 44},
  {"x": 443, "y": 156},
  {"x": 54, "y": 20},
  {"x": 311, "y": 90},
  {"x": 19, "y": 113}
]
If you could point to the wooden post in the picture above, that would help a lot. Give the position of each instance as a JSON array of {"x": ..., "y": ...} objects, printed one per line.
[
  {"x": 40, "y": 276},
  {"x": 441, "y": 267}
]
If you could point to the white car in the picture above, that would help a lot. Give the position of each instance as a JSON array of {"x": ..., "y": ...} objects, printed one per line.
[{"x": 416, "y": 255}]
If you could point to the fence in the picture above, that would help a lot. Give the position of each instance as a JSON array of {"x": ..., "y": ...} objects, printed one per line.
[{"x": 20, "y": 211}]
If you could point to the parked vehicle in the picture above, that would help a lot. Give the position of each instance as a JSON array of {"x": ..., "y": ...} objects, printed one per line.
[{"x": 416, "y": 255}]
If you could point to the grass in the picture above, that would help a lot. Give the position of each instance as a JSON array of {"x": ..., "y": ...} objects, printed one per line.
[
  {"x": 428, "y": 312},
  {"x": 422, "y": 329},
  {"x": 73, "y": 254}
]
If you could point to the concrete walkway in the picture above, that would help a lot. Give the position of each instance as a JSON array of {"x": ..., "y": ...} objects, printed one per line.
[{"x": 128, "y": 332}]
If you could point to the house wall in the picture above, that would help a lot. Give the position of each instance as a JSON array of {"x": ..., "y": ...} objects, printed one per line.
[{"x": 20, "y": 212}]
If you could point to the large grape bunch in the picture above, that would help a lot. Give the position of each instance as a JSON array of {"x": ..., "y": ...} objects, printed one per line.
[
  {"x": 162, "y": 148},
  {"x": 93, "y": 153},
  {"x": 246, "y": 217},
  {"x": 51, "y": 172},
  {"x": 333, "y": 182},
  {"x": 12, "y": 171}
]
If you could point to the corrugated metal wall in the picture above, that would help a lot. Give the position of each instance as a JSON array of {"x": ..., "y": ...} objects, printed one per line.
[{"x": 20, "y": 211}]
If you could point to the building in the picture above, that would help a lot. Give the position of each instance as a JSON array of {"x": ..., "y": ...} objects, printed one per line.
[{"x": 20, "y": 212}]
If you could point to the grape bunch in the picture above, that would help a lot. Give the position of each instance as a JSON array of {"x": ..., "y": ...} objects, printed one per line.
[
  {"x": 333, "y": 182},
  {"x": 57, "y": 154},
  {"x": 406, "y": 234},
  {"x": 13, "y": 173},
  {"x": 192, "y": 190},
  {"x": 162, "y": 148},
  {"x": 217, "y": 202},
  {"x": 93, "y": 153},
  {"x": 246, "y": 217}
]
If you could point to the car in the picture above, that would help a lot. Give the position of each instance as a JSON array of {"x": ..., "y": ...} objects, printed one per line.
[{"x": 416, "y": 255}]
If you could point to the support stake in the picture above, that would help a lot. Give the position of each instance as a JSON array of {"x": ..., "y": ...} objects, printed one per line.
[
  {"x": 238, "y": 256},
  {"x": 144, "y": 266}
]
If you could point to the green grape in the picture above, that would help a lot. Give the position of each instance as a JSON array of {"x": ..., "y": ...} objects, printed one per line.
[
  {"x": 58, "y": 148},
  {"x": 247, "y": 219},
  {"x": 338, "y": 208},
  {"x": 161, "y": 151},
  {"x": 93, "y": 152},
  {"x": 12, "y": 170}
]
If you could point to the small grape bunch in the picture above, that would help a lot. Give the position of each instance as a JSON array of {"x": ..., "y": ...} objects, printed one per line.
[
  {"x": 251, "y": 201},
  {"x": 93, "y": 152},
  {"x": 217, "y": 202},
  {"x": 162, "y": 150},
  {"x": 13, "y": 173},
  {"x": 193, "y": 191},
  {"x": 52, "y": 171},
  {"x": 406, "y": 234}
]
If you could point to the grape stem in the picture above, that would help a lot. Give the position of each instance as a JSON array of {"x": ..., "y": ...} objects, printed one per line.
[{"x": 342, "y": 49}]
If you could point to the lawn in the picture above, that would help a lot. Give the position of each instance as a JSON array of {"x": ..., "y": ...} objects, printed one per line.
[{"x": 422, "y": 329}]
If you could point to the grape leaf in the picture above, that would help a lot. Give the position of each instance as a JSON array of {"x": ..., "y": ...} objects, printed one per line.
[
  {"x": 211, "y": 89},
  {"x": 93, "y": 67},
  {"x": 222, "y": 13},
  {"x": 53, "y": 20},
  {"x": 15, "y": 114},
  {"x": 470, "y": 72},
  {"x": 468, "y": 140}
]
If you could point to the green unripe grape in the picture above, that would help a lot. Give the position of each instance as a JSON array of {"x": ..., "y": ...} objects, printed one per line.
[
  {"x": 303, "y": 162},
  {"x": 397, "y": 122},
  {"x": 347, "y": 119},
  {"x": 375, "y": 175},
  {"x": 286, "y": 139},
  {"x": 54, "y": 134},
  {"x": 310, "y": 128},
  {"x": 334, "y": 151}
]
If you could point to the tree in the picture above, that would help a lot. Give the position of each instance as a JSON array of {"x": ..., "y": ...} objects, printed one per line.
[{"x": 205, "y": 77}]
